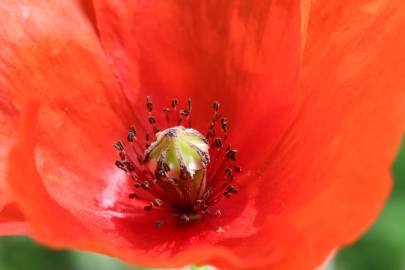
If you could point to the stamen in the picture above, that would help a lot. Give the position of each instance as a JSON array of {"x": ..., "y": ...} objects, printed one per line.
[
  {"x": 178, "y": 170},
  {"x": 174, "y": 103},
  {"x": 231, "y": 154},
  {"x": 149, "y": 104},
  {"x": 218, "y": 142},
  {"x": 131, "y": 134},
  {"x": 216, "y": 106},
  {"x": 118, "y": 145},
  {"x": 148, "y": 207}
]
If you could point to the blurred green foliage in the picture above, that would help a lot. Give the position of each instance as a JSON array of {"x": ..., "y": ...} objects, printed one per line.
[{"x": 382, "y": 248}]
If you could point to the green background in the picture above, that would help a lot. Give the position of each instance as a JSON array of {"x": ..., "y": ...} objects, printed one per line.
[{"x": 382, "y": 248}]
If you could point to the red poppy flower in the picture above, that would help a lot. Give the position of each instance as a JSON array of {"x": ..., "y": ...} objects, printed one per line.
[{"x": 313, "y": 92}]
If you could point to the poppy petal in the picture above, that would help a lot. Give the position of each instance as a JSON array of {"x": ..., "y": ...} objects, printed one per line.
[
  {"x": 244, "y": 54},
  {"x": 124, "y": 235},
  {"x": 14, "y": 228},
  {"x": 71, "y": 201},
  {"x": 331, "y": 174},
  {"x": 12, "y": 220},
  {"x": 51, "y": 52},
  {"x": 295, "y": 201},
  {"x": 8, "y": 127},
  {"x": 81, "y": 114}
]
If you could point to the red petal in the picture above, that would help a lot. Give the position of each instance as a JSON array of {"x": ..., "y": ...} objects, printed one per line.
[
  {"x": 76, "y": 127},
  {"x": 14, "y": 228},
  {"x": 50, "y": 222},
  {"x": 8, "y": 125},
  {"x": 241, "y": 53},
  {"x": 298, "y": 238},
  {"x": 11, "y": 218},
  {"x": 50, "y": 51},
  {"x": 60, "y": 223},
  {"x": 331, "y": 175},
  {"x": 12, "y": 221}
]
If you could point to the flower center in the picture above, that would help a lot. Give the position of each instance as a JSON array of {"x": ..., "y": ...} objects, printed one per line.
[{"x": 177, "y": 170}]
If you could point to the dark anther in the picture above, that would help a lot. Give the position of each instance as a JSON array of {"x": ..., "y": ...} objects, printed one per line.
[
  {"x": 159, "y": 223},
  {"x": 174, "y": 102},
  {"x": 189, "y": 105},
  {"x": 134, "y": 175},
  {"x": 133, "y": 196},
  {"x": 148, "y": 207},
  {"x": 231, "y": 189},
  {"x": 227, "y": 194},
  {"x": 122, "y": 155},
  {"x": 118, "y": 145},
  {"x": 237, "y": 168},
  {"x": 185, "y": 112},
  {"x": 147, "y": 137},
  {"x": 157, "y": 202},
  {"x": 231, "y": 154},
  {"x": 224, "y": 124},
  {"x": 145, "y": 185},
  {"x": 149, "y": 104},
  {"x": 130, "y": 166},
  {"x": 166, "y": 110},
  {"x": 218, "y": 142},
  {"x": 228, "y": 173},
  {"x": 121, "y": 165},
  {"x": 131, "y": 134},
  {"x": 216, "y": 106},
  {"x": 152, "y": 120},
  {"x": 131, "y": 137}
]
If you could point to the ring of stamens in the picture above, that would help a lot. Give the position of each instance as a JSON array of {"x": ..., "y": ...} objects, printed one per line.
[{"x": 151, "y": 187}]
